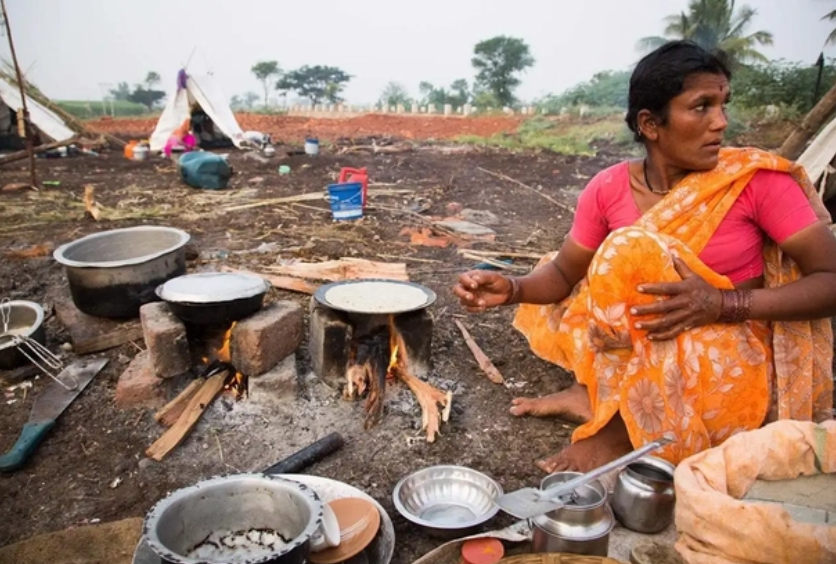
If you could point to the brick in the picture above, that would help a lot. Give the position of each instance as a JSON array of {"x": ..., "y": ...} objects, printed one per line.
[
  {"x": 138, "y": 386},
  {"x": 276, "y": 385},
  {"x": 260, "y": 341},
  {"x": 329, "y": 344},
  {"x": 165, "y": 337}
]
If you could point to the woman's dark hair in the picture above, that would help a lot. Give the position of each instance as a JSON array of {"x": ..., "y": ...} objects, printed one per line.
[{"x": 660, "y": 76}]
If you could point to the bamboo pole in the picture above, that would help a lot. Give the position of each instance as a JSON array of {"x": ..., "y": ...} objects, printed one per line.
[{"x": 30, "y": 145}]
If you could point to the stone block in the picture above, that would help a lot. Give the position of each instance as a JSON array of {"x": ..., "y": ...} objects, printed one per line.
[
  {"x": 166, "y": 340},
  {"x": 277, "y": 384},
  {"x": 329, "y": 344},
  {"x": 260, "y": 341},
  {"x": 138, "y": 386}
]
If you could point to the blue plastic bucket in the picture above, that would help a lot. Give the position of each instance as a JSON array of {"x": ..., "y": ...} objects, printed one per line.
[{"x": 346, "y": 200}]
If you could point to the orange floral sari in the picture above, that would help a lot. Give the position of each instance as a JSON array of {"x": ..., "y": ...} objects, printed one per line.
[{"x": 710, "y": 382}]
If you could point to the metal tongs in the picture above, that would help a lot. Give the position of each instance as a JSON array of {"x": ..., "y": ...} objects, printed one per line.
[{"x": 43, "y": 358}]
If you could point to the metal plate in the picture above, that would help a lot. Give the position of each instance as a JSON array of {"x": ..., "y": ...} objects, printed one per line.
[
  {"x": 212, "y": 287},
  {"x": 380, "y": 551},
  {"x": 322, "y": 291}
]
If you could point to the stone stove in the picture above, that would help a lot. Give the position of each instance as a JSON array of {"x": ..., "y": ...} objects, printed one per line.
[
  {"x": 261, "y": 347},
  {"x": 332, "y": 334}
]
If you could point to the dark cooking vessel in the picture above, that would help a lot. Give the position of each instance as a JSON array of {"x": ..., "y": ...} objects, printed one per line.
[
  {"x": 113, "y": 273},
  {"x": 214, "y": 298}
]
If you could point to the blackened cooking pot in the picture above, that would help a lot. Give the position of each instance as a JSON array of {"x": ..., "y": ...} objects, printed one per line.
[
  {"x": 214, "y": 298},
  {"x": 113, "y": 273}
]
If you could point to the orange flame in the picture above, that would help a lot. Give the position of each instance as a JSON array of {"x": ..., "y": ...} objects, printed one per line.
[{"x": 224, "y": 353}]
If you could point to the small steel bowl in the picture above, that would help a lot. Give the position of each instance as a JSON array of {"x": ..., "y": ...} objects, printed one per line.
[
  {"x": 447, "y": 501},
  {"x": 25, "y": 320}
]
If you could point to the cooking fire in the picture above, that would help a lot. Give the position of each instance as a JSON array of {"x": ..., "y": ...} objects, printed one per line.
[
  {"x": 220, "y": 359},
  {"x": 380, "y": 357}
]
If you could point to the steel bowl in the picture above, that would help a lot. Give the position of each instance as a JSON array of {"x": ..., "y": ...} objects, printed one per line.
[
  {"x": 447, "y": 501},
  {"x": 113, "y": 273},
  {"x": 25, "y": 320}
]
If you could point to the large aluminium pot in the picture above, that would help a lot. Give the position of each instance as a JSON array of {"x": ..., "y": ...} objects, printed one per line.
[
  {"x": 193, "y": 518},
  {"x": 113, "y": 273},
  {"x": 214, "y": 298}
]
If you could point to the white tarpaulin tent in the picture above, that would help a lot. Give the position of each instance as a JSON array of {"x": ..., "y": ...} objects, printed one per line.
[
  {"x": 195, "y": 89},
  {"x": 816, "y": 160},
  {"x": 42, "y": 118}
]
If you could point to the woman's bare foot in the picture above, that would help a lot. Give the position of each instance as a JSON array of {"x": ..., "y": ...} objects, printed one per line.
[
  {"x": 606, "y": 445},
  {"x": 571, "y": 404}
]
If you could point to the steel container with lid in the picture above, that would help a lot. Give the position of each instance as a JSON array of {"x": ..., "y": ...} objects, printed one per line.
[
  {"x": 582, "y": 526},
  {"x": 644, "y": 497}
]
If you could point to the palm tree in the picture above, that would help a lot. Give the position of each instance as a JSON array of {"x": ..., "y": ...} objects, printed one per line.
[
  {"x": 715, "y": 24},
  {"x": 831, "y": 17}
]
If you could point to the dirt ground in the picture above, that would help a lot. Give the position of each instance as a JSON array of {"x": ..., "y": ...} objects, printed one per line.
[
  {"x": 297, "y": 128},
  {"x": 72, "y": 478}
]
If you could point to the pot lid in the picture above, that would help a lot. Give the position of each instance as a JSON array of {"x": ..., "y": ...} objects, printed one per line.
[
  {"x": 212, "y": 287},
  {"x": 588, "y": 524}
]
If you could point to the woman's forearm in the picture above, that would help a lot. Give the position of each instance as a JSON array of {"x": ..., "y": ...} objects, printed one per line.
[
  {"x": 811, "y": 297},
  {"x": 545, "y": 285}
]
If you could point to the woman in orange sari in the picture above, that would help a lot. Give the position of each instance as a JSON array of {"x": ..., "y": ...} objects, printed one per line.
[{"x": 692, "y": 297}]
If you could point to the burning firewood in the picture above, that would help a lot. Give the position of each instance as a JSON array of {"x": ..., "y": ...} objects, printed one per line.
[
  {"x": 366, "y": 375},
  {"x": 429, "y": 398}
]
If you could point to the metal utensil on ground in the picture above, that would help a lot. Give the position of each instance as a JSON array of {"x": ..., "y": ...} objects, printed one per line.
[
  {"x": 35, "y": 352},
  {"x": 531, "y": 502},
  {"x": 46, "y": 409}
]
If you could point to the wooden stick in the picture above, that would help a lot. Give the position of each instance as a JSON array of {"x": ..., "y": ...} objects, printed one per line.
[
  {"x": 485, "y": 363},
  {"x": 501, "y": 254},
  {"x": 310, "y": 197},
  {"x": 20, "y": 155},
  {"x": 561, "y": 205},
  {"x": 496, "y": 263},
  {"x": 171, "y": 412},
  {"x": 197, "y": 405},
  {"x": 281, "y": 282}
]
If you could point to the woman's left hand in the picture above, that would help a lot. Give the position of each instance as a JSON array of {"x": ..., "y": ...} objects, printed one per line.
[{"x": 691, "y": 303}]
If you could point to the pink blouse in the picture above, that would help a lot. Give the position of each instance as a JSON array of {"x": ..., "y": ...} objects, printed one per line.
[{"x": 772, "y": 205}]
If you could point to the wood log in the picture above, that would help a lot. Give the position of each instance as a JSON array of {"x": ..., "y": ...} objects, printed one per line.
[
  {"x": 171, "y": 412},
  {"x": 344, "y": 269},
  {"x": 429, "y": 398},
  {"x": 491, "y": 371},
  {"x": 184, "y": 424},
  {"x": 795, "y": 143},
  {"x": 117, "y": 337},
  {"x": 280, "y": 282},
  {"x": 20, "y": 155}
]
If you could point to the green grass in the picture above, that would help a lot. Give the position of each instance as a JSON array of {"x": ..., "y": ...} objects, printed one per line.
[
  {"x": 568, "y": 137},
  {"x": 88, "y": 109}
]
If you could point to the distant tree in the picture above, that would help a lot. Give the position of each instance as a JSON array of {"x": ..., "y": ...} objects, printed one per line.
[
  {"x": 121, "y": 92},
  {"x": 264, "y": 71},
  {"x": 605, "y": 89},
  {"x": 146, "y": 97},
  {"x": 457, "y": 95},
  {"x": 497, "y": 61},
  {"x": 394, "y": 94},
  {"x": 236, "y": 103},
  {"x": 152, "y": 79},
  {"x": 460, "y": 93},
  {"x": 315, "y": 83},
  {"x": 249, "y": 99},
  {"x": 715, "y": 24}
]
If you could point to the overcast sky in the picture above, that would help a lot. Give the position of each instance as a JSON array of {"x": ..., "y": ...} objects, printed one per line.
[{"x": 72, "y": 47}]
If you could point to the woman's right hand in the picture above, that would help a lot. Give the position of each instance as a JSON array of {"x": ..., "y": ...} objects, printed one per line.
[{"x": 478, "y": 290}]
